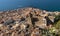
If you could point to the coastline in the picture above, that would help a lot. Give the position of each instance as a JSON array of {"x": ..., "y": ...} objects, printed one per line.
[{"x": 27, "y": 9}]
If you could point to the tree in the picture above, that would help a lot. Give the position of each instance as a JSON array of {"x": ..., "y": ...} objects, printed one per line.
[
  {"x": 57, "y": 18},
  {"x": 58, "y": 24}
]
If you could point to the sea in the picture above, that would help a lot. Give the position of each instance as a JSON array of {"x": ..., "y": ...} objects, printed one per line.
[{"x": 49, "y": 5}]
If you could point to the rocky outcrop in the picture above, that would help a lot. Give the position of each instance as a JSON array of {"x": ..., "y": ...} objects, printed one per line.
[{"x": 23, "y": 22}]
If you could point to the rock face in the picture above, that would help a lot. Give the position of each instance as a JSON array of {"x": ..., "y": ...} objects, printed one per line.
[{"x": 23, "y": 22}]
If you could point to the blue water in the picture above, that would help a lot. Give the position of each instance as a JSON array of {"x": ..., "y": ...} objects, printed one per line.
[{"x": 50, "y": 5}]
